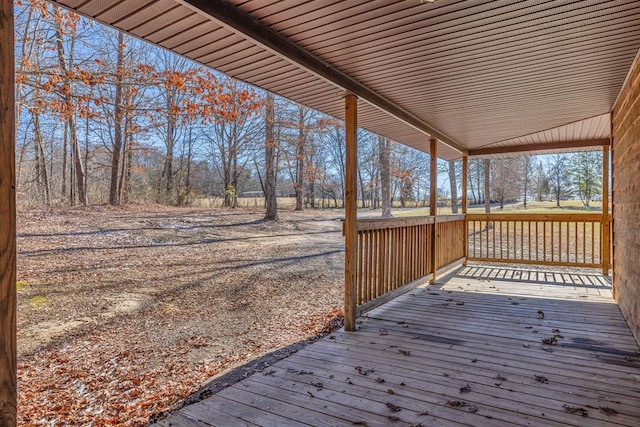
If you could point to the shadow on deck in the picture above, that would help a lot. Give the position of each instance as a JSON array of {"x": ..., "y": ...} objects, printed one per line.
[{"x": 483, "y": 347}]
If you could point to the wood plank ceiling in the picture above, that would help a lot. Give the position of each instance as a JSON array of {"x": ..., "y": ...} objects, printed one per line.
[{"x": 478, "y": 73}]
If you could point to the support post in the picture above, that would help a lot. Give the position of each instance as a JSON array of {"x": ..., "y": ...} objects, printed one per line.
[
  {"x": 350, "y": 212},
  {"x": 465, "y": 177},
  {"x": 433, "y": 203},
  {"x": 605, "y": 235},
  {"x": 8, "y": 365}
]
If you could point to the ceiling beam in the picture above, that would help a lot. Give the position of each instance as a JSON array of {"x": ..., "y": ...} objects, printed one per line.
[
  {"x": 548, "y": 146},
  {"x": 231, "y": 17}
]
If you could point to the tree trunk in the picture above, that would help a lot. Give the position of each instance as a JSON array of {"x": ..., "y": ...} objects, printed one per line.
[
  {"x": 363, "y": 196},
  {"x": 127, "y": 156},
  {"x": 41, "y": 177},
  {"x": 118, "y": 117},
  {"x": 77, "y": 162},
  {"x": 189, "y": 159},
  {"x": 300, "y": 160},
  {"x": 384, "y": 148},
  {"x": 71, "y": 122},
  {"x": 454, "y": 186},
  {"x": 526, "y": 161},
  {"x": 65, "y": 138},
  {"x": 526, "y": 187},
  {"x": 234, "y": 160},
  {"x": 167, "y": 172},
  {"x": 487, "y": 185}
]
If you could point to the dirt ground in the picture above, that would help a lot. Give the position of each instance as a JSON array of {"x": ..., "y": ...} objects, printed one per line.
[{"x": 123, "y": 313}]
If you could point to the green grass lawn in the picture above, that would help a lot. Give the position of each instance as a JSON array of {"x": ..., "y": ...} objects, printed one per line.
[{"x": 566, "y": 206}]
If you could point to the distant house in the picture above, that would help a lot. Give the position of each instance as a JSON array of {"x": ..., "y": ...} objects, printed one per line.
[{"x": 249, "y": 194}]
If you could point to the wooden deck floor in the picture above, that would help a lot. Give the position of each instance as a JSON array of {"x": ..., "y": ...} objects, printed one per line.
[{"x": 467, "y": 351}]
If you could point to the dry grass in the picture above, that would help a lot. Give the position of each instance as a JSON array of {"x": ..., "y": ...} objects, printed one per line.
[
  {"x": 129, "y": 311},
  {"x": 566, "y": 206}
]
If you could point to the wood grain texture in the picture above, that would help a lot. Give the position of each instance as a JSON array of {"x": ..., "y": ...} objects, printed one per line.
[
  {"x": 605, "y": 230},
  {"x": 8, "y": 384},
  {"x": 531, "y": 149},
  {"x": 626, "y": 195},
  {"x": 433, "y": 202},
  {"x": 465, "y": 184},
  {"x": 475, "y": 359},
  {"x": 351, "y": 211}
]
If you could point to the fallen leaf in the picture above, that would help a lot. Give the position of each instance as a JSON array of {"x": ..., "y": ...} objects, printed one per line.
[
  {"x": 576, "y": 410},
  {"x": 541, "y": 379},
  {"x": 392, "y": 407}
]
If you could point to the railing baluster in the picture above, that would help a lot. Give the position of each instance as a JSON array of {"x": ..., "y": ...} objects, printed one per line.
[
  {"x": 569, "y": 241},
  {"x": 560, "y": 241},
  {"x": 359, "y": 266},
  {"x": 575, "y": 236},
  {"x": 553, "y": 239},
  {"x": 508, "y": 253},
  {"x": 544, "y": 241},
  {"x": 481, "y": 232},
  {"x": 370, "y": 279},
  {"x": 529, "y": 242},
  {"x": 584, "y": 242},
  {"x": 593, "y": 246},
  {"x": 493, "y": 232},
  {"x": 487, "y": 239},
  {"x": 521, "y": 240}
]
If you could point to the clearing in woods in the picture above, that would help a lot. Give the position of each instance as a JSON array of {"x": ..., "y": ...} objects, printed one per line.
[{"x": 122, "y": 313}]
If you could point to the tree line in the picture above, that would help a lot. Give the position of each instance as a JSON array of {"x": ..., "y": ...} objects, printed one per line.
[
  {"x": 105, "y": 118},
  {"x": 541, "y": 178}
]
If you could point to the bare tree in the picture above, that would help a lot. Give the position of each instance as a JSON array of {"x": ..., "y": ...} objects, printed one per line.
[
  {"x": 527, "y": 172},
  {"x": 559, "y": 176},
  {"x": 454, "y": 186},
  {"x": 586, "y": 172},
  {"x": 542, "y": 186},
  {"x": 506, "y": 180},
  {"x": 270, "y": 149},
  {"x": 486, "y": 166},
  {"x": 65, "y": 23},
  {"x": 384, "y": 152},
  {"x": 116, "y": 151}
]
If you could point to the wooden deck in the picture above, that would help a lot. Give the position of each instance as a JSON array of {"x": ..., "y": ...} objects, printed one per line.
[{"x": 467, "y": 351}]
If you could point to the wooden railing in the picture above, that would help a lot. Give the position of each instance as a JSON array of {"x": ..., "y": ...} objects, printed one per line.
[
  {"x": 546, "y": 239},
  {"x": 450, "y": 241},
  {"x": 394, "y": 254}
]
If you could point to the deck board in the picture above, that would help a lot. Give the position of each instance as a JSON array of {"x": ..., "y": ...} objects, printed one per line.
[{"x": 466, "y": 351}]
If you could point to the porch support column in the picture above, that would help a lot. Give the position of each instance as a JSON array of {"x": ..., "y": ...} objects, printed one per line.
[
  {"x": 433, "y": 201},
  {"x": 8, "y": 382},
  {"x": 604, "y": 229},
  {"x": 465, "y": 175},
  {"x": 350, "y": 212}
]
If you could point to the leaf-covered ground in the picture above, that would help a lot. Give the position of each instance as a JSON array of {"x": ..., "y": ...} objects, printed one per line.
[{"x": 123, "y": 313}]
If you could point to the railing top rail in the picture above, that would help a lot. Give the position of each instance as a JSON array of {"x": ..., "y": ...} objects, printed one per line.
[
  {"x": 382, "y": 223},
  {"x": 590, "y": 216},
  {"x": 450, "y": 218},
  {"x": 397, "y": 222}
]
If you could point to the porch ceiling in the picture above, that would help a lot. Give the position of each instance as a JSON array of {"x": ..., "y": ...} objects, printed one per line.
[{"x": 473, "y": 73}]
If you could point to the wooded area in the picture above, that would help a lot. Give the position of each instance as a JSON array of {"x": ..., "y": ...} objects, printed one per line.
[{"x": 105, "y": 118}]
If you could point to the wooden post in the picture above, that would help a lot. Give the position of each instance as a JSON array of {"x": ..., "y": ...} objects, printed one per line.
[
  {"x": 350, "y": 212},
  {"x": 465, "y": 177},
  {"x": 8, "y": 366},
  {"x": 605, "y": 244},
  {"x": 433, "y": 202}
]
